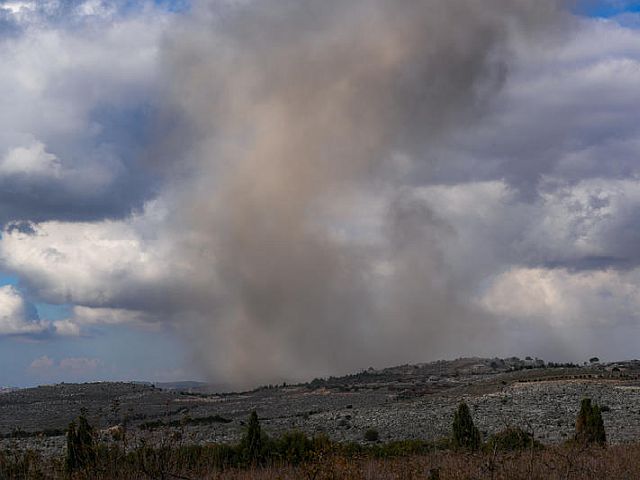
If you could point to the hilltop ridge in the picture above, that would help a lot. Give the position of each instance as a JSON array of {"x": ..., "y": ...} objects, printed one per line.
[{"x": 401, "y": 402}]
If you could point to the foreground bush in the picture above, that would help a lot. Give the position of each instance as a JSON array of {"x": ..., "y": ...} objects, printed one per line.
[
  {"x": 510, "y": 454},
  {"x": 552, "y": 463},
  {"x": 371, "y": 435},
  {"x": 512, "y": 439}
]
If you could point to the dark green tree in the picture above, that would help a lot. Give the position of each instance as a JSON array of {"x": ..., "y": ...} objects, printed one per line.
[
  {"x": 465, "y": 433},
  {"x": 253, "y": 441},
  {"x": 81, "y": 452},
  {"x": 589, "y": 424}
]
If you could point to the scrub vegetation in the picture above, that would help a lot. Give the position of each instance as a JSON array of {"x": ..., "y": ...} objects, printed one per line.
[{"x": 513, "y": 453}]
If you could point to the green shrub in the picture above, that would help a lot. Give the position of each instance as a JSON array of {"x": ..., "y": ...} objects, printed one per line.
[
  {"x": 401, "y": 448},
  {"x": 293, "y": 447},
  {"x": 371, "y": 435},
  {"x": 321, "y": 443},
  {"x": 512, "y": 439},
  {"x": 224, "y": 456},
  {"x": 18, "y": 465},
  {"x": 155, "y": 462},
  {"x": 156, "y": 424}
]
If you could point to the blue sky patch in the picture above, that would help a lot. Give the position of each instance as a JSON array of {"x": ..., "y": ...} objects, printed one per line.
[{"x": 607, "y": 8}]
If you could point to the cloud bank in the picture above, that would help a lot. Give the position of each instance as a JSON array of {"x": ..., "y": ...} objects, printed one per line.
[
  {"x": 304, "y": 188},
  {"x": 17, "y": 316}
]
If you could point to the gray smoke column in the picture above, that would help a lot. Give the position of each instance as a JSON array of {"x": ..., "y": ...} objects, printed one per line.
[{"x": 303, "y": 124}]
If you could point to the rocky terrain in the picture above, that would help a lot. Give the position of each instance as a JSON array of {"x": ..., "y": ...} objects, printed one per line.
[{"x": 410, "y": 401}]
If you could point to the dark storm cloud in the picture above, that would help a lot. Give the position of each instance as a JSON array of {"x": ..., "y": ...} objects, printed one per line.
[
  {"x": 68, "y": 199},
  {"x": 299, "y": 105},
  {"x": 78, "y": 103},
  {"x": 321, "y": 186}
]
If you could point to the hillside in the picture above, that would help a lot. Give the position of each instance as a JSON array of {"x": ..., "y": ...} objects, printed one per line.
[{"x": 403, "y": 402}]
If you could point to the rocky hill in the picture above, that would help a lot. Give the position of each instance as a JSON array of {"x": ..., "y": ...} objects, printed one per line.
[{"x": 403, "y": 402}]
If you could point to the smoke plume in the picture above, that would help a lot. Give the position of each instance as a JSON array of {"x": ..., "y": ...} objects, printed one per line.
[{"x": 307, "y": 128}]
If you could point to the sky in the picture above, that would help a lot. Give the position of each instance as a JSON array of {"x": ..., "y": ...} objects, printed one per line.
[{"x": 247, "y": 192}]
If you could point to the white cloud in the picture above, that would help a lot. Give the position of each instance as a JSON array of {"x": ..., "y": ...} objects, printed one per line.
[
  {"x": 67, "y": 97},
  {"x": 86, "y": 317},
  {"x": 17, "y": 317},
  {"x": 42, "y": 363},
  {"x": 564, "y": 299},
  {"x": 568, "y": 111},
  {"x": 67, "y": 328},
  {"x": 17, "y": 8},
  {"x": 54, "y": 78},
  {"x": 96, "y": 8},
  {"x": 86, "y": 263},
  {"x": 79, "y": 364},
  {"x": 112, "y": 272},
  {"x": 583, "y": 222},
  {"x": 72, "y": 365},
  {"x": 548, "y": 179},
  {"x": 30, "y": 160}
]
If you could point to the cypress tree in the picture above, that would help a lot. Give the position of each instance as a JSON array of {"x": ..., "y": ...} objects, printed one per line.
[
  {"x": 589, "y": 424},
  {"x": 465, "y": 433},
  {"x": 71, "y": 460},
  {"x": 252, "y": 442},
  {"x": 80, "y": 449}
]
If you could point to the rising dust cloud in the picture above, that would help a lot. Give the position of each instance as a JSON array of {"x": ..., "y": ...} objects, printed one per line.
[{"x": 306, "y": 122}]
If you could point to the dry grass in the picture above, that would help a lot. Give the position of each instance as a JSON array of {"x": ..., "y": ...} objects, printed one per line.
[
  {"x": 555, "y": 463},
  {"x": 551, "y": 463}
]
